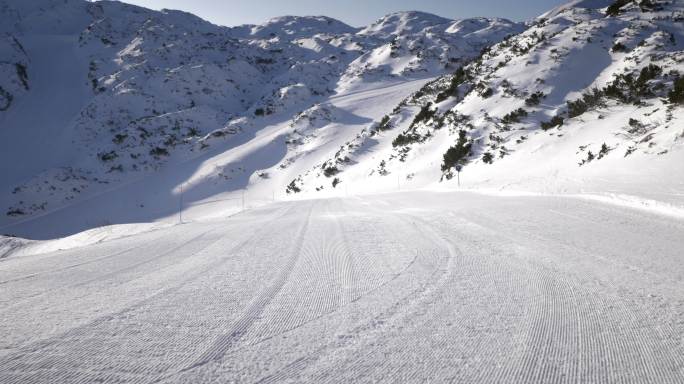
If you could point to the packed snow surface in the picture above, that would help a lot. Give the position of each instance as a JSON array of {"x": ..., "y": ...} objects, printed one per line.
[{"x": 404, "y": 287}]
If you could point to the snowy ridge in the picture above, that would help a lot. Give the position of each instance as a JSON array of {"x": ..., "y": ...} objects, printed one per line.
[
  {"x": 435, "y": 44},
  {"x": 402, "y": 23},
  {"x": 586, "y": 4},
  {"x": 295, "y": 27}
]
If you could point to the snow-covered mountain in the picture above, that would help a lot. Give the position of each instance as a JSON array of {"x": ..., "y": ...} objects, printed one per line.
[
  {"x": 419, "y": 44},
  {"x": 99, "y": 95},
  {"x": 403, "y": 23},
  {"x": 108, "y": 110},
  {"x": 587, "y": 100},
  {"x": 293, "y": 27}
]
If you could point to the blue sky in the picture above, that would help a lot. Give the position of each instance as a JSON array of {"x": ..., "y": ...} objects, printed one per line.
[{"x": 353, "y": 12}]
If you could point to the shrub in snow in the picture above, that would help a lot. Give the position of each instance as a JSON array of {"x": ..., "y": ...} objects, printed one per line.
[
  {"x": 676, "y": 96},
  {"x": 647, "y": 74},
  {"x": 459, "y": 77},
  {"x": 636, "y": 127},
  {"x": 292, "y": 187},
  {"x": 630, "y": 150},
  {"x": 589, "y": 100},
  {"x": 171, "y": 141},
  {"x": 514, "y": 117},
  {"x": 604, "y": 151},
  {"x": 330, "y": 171},
  {"x": 384, "y": 124},
  {"x": 627, "y": 89},
  {"x": 426, "y": 113},
  {"x": 555, "y": 121},
  {"x": 159, "y": 151},
  {"x": 590, "y": 156},
  {"x": 589, "y": 159},
  {"x": 458, "y": 153},
  {"x": 107, "y": 156},
  {"x": 119, "y": 138},
  {"x": 439, "y": 121},
  {"x": 405, "y": 139},
  {"x": 15, "y": 212},
  {"x": 534, "y": 99},
  {"x": 382, "y": 168},
  {"x": 488, "y": 158},
  {"x": 614, "y": 9},
  {"x": 486, "y": 93},
  {"x": 619, "y": 47}
]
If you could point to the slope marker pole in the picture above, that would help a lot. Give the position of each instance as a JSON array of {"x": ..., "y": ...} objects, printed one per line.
[
  {"x": 180, "y": 205},
  {"x": 458, "y": 168}
]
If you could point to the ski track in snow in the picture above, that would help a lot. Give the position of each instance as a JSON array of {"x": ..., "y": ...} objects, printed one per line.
[{"x": 406, "y": 287}]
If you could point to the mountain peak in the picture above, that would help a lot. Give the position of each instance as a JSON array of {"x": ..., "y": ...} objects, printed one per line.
[
  {"x": 399, "y": 23},
  {"x": 299, "y": 26},
  {"x": 587, "y": 4}
]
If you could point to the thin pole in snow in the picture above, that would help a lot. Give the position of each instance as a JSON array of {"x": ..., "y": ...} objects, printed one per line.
[
  {"x": 180, "y": 205},
  {"x": 458, "y": 168}
]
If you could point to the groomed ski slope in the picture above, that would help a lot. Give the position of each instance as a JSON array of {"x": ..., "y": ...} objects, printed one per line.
[{"x": 406, "y": 287}]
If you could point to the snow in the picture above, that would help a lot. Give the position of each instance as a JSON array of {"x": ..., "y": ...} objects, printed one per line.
[
  {"x": 127, "y": 116},
  {"x": 185, "y": 202},
  {"x": 625, "y": 152},
  {"x": 416, "y": 286},
  {"x": 298, "y": 27},
  {"x": 401, "y": 23},
  {"x": 124, "y": 104},
  {"x": 587, "y": 4},
  {"x": 221, "y": 172}
]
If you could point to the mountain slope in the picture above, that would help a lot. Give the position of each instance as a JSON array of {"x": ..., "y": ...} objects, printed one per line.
[
  {"x": 139, "y": 107},
  {"x": 583, "y": 101},
  {"x": 402, "y": 23},
  {"x": 127, "y": 95}
]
